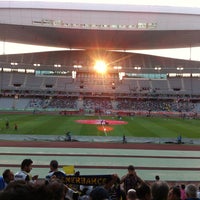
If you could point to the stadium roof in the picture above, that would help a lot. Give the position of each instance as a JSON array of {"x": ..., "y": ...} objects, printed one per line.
[
  {"x": 153, "y": 27},
  {"x": 89, "y": 26},
  {"x": 94, "y": 39}
]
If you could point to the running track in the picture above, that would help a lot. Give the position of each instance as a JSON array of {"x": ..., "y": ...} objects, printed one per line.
[{"x": 150, "y": 158}]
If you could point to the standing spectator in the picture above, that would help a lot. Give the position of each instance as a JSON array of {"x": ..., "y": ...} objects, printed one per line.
[
  {"x": 54, "y": 171},
  {"x": 131, "y": 179},
  {"x": 112, "y": 185},
  {"x": 157, "y": 178},
  {"x": 183, "y": 194},
  {"x": 24, "y": 173},
  {"x": 160, "y": 190}
]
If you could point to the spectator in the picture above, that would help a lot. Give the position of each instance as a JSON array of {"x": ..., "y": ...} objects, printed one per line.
[
  {"x": 183, "y": 194},
  {"x": 160, "y": 190},
  {"x": 174, "y": 193},
  {"x": 6, "y": 178},
  {"x": 99, "y": 193},
  {"x": 17, "y": 190},
  {"x": 191, "y": 192},
  {"x": 24, "y": 173},
  {"x": 2, "y": 183},
  {"x": 112, "y": 185},
  {"x": 85, "y": 192},
  {"x": 131, "y": 195},
  {"x": 55, "y": 172},
  {"x": 21, "y": 190},
  {"x": 157, "y": 178},
  {"x": 131, "y": 179},
  {"x": 143, "y": 192},
  {"x": 198, "y": 193}
]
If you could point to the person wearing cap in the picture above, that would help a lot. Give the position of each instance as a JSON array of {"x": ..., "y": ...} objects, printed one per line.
[
  {"x": 131, "y": 180},
  {"x": 131, "y": 194}
]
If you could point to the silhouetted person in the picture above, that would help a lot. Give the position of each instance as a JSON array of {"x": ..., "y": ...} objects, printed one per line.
[
  {"x": 124, "y": 139},
  {"x": 157, "y": 178},
  {"x": 7, "y": 124},
  {"x": 16, "y": 127}
]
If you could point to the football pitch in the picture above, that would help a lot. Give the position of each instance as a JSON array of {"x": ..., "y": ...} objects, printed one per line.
[{"x": 44, "y": 124}]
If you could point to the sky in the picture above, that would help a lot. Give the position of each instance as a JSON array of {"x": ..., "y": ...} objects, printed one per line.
[
  {"x": 182, "y": 53},
  {"x": 183, "y": 3}
]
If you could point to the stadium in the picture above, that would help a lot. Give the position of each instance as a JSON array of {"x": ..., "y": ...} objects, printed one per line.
[{"x": 77, "y": 104}]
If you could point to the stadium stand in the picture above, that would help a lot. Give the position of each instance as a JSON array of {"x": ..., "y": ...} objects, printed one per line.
[
  {"x": 160, "y": 86},
  {"x": 33, "y": 82},
  {"x": 175, "y": 84},
  {"x": 14, "y": 83},
  {"x": 18, "y": 79}
]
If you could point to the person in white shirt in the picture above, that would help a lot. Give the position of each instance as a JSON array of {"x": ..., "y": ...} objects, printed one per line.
[{"x": 24, "y": 173}]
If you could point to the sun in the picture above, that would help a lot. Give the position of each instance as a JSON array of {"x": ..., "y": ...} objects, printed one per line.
[{"x": 100, "y": 66}]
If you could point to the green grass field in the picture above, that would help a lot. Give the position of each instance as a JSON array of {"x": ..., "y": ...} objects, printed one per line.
[{"x": 41, "y": 124}]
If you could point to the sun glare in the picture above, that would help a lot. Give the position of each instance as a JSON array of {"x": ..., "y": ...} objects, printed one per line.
[{"x": 100, "y": 66}]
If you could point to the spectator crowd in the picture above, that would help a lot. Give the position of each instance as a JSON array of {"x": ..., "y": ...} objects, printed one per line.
[
  {"x": 22, "y": 185},
  {"x": 103, "y": 104}
]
